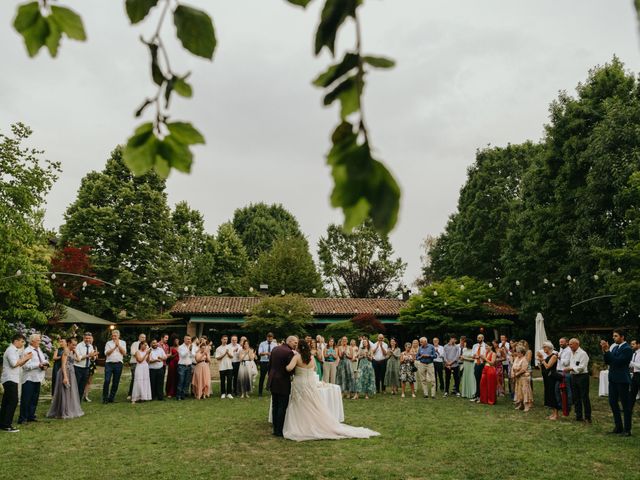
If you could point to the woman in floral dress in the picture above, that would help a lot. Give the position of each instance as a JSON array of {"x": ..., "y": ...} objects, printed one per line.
[
  {"x": 344, "y": 375},
  {"x": 392, "y": 375},
  {"x": 366, "y": 382},
  {"x": 407, "y": 372}
]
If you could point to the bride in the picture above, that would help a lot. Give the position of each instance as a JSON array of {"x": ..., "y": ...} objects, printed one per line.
[{"x": 306, "y": 404}]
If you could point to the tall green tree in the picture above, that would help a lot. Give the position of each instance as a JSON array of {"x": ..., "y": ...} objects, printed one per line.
[
  {"x": 259, "y": 225},
  {"x": 25, "y": 180},
  {"x": 283, "y": 316},
  {"x": 359, "y": 264},
  {"x": 227, "y": 263}
]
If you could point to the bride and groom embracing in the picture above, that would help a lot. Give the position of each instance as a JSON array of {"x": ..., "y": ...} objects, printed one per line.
[{"x": 298, "y": 411}]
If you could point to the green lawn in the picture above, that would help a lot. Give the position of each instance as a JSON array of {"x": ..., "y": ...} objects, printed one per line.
[{"x": 214, "y": 438}]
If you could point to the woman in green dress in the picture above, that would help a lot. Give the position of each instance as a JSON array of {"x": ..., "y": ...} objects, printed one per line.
[
  {"x": 392, "y": 375},
  {"x": 366, "y": 382},
  {"x": 316, "y": 353},
  {"x": 468, "y": 383},
  {"x": 344, "y": 375}
]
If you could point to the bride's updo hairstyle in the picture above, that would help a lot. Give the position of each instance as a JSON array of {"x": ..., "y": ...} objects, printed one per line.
[{"x": 305, "y": 352}]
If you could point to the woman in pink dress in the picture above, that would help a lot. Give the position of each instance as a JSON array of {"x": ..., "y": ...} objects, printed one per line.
[
  {"x": 201, "y": 381},
  {"x": 501, "y": 355},
  {"x": 172, "y": 367}
]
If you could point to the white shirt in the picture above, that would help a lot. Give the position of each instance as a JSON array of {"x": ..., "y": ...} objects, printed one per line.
[
  {"x": 10, "y": 370},
  {"x": 235, "y": 350},
  {"x": 579, "y": 361},
  {"x": 225, "y": 363},
  {"x": 186, "y": 355},
  {"x": 116, "y": 355},
  {"x": 635, "y": 362},
  {"x": 134, "y": 348},
  {"x": 32, "y": 370},
  {"x": 378, "y": 354},
  {"x": 507, "y": 348},
  {"x": 439, "y": 354},
  {"x": 156, "y": 353},
  {"x": 264, "y": 347},
  {"x": 83, "y": 353},
  {"x": 479, "y": 349},
  {"x": 564, "y": 358}
]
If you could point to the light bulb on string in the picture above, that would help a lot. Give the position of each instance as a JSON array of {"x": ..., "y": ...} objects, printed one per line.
[
  {"x": 53, "y": 276},
  {"x": 490, "y": 284},
  {"x": 154, "y": 285},
  {"x": 186, "y": 289},
  {"x": 489, "y": 300},
  {"x": 435, "y": 293},
  {"x": 461, "y": 287},
  {"x": 468, "y": 300},
  {"x": 122, "y": 296},
  {"x": 314, "y": 291},
  {"x": 517, "y": 283},
  {"x": 64, "y": 285},
  {"x": 268, "y": 312},
  {"x": 619, "y": 270},
  {"x": 282, "y": 292},
  {"x": 117, "y": 282},
  {"x": 511, "y": 294},
  {"x": 250, "y": 289},
  {"x": 553, "y": 285},
  {"x": 596, "y": 277},
  {"x": 18, "y": 273},
  {"x": 569, "y": 277},
  {"x": 289, "y": 312},
  {"x": 546, "y": 281},
  {"x": 84, "y": 284},
  {"x": 103, "y": 292},
  {"x": 219, "y": 289},
  {"x": 533, "y": 292}
]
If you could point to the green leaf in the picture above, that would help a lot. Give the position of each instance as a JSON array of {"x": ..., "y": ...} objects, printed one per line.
[
  {"x": 26, "y": 16},
  {"x": 300, "y": 3},
  {"x": 137, "y": 10},
  {"x": 156, "y": 73},
  {"x": 348, "y": 92},
  {"x": 195, "y": 30},
  {"x": 637, "y": 5},
  {"x": 182, "y": 88},
  {"x": 176, "y": 153},
  {"x": 185, "y": 133},
  {"x": 162, "y": 167},
  {"x": 53, "y": 39},
  {"x": 69, "y": 22},
  {"x": 336, "y": 71},
  {"x": 140, "y": 152},
  {"x": 35, "y": 36},
  {"x": 379, "y": 62},
  {"x": 333, "y": 15}
]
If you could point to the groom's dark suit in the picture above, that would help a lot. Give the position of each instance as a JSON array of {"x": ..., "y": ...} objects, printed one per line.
[
  {"x": 618, "y": 359},
  {"x": 279, "y": 383}
]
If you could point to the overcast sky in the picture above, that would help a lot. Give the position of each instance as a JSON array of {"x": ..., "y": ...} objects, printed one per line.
[{"x": 469, "y": 73}]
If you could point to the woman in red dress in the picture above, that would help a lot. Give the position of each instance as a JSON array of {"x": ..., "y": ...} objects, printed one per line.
[
  {"x": 172, "y": 366},
  {"x": 488, "y": 381}
]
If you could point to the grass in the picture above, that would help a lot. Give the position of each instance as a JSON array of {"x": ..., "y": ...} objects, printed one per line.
[{"x": 448, "y": 438}]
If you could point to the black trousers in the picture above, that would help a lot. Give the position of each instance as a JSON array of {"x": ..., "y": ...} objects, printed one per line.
[
  {"x": 112, "y": 373},
  {"x": 619, "y": 394},
  {"x": 82, "y": 377},
  {"x": 379, "y": 370},
  {"x": 226, "y": 377},
  {"x": 279, "y": 404},
  {"x": 477, "y": 373},
  {"x": 156, "y": 379},
  {"x": 236, "y": 368},
  {"x": 635, "y": 388},
  {"x": 439, "y": 369},
  {"x": 455, "y": 371},
  {"x": 29, "y": 401},
  {"x": 264, "y": 372},
  {"x": 580, "y": 390},
  {"x": 133, "y": 376},
  {"x": 9, "y": 404}
]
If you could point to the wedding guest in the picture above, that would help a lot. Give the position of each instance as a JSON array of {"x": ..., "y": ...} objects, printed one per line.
[
  {"x": 33, "y": 374},
  {"x": 142, "y": 382},
  {"x": 330, "y": 362},
  {"x": 264, "y": 352},
  {"x": 408, "y": 369},
  {"x": 246, "y": 355},
  {"x": 489, "y": 379},
  {"x": 366, "y": 382},
  {"x": 166, "y": 348},
  {"x": 172, "y": 367},
  {"x": 235, "y": 348},
  {"x": 618, "y": 357},
  {"x": 438, "y": 364},
  {"x": 563, "y": 379},
  {"x": 578, "y": 368},
  {"x": 547, "y": 361},
  {"x": 223, "y": 356},
  {"x": 426, "y": 370},
  {"x": 156, "y": 361},
  {"x": 315, "y": 353},
  {"x": 479, "y": 350},
  {"x": 344, "y": 375},
  {"x": 57, "y": 362},
  {"x": 82, "y": 362},
  {"x": 379, "y": 361},
  {"x": 392, "y": 374},
  {"x": 634, "y": 365},
  {"x": 501, "y": 354},
  {"x": 468, "y": 381},
  {"x": 92, "y": 372},
  {"x": 505, "y": 353},
  {"x": 114, "y": 351},
  {"x": 12, "y": 361},
  {"x": 451, "y": 358},
  {"x": 65, "y": 403},
  {"x": 132, "y": 360},
  {"x": 201, "y": 381},
  {"x": 321, "y": 345},
  {"x": 352, "y": 355},
  {"x": 520, "y": 370},
  {"x": 186, "y": 357}
]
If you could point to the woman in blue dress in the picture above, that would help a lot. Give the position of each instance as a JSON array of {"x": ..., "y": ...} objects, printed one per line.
[
  {"x": 366, "y": 382},
  {"x": 344, "y": 375}
]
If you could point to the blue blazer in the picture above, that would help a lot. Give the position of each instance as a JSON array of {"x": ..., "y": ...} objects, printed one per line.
[{"x": 618, "y": 359}]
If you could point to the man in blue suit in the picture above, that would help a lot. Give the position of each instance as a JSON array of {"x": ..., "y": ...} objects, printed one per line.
[{"x": 618, "y": 358}]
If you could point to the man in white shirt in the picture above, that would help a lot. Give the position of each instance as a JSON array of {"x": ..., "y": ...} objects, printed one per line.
[
  {"x": 506, "y": 365},
  {"x": 114, "y": 351},
  {"x": 85, "y": 352},
  {"x": 11, "y": 363},
  {"x": 578, "y": 368},
  {"x": 379, "y": 362},
  {"x": 478, "y": 351},
  {"x": 564, "y": 358},
  {"x": 438, "y": 364},
  {"x": 34, "y": 371},
  {"x": 223, "y": 356},
  {"x": 185, "y": 369},
  {"x": 235, "y": 362},
  {"x": 635, "y": 372},
  {"x": 264, "y": 351},
  {"x": 133, "y": 362},
  {"x": 156, "y": 370}
]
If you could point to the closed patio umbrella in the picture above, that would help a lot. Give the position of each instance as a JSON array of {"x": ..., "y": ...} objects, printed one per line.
[{"x": 541, "y": 335}]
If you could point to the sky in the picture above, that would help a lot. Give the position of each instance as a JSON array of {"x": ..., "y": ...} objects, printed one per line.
[{"x": 469, "y": 74}]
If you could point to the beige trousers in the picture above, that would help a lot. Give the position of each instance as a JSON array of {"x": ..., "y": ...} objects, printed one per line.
[
  {"x": 427, "y": 378},
  {"x": 329, "y": 372}
]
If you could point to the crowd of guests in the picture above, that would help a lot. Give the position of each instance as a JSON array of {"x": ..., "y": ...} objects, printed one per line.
[{"x": 167, "y": 368}]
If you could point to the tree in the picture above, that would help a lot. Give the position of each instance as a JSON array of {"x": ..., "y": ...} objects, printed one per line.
[
  {"x": 126, "y": 222},
  {"x": 359, "y": 264},
  {"x": 286, "y": 315},
  {"x": 228, "y": 263},
  {"x": 259, "y": 225},
  {"x": 25, "y": 181},
  {"x": 287, "y": 266}
]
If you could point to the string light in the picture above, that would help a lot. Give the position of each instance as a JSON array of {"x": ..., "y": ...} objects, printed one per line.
[
  {"x": 517, "y": 283},
  {"x": 569, "y": 277},
  {"x": 546, "y": 280},
  {"x": 117, "y": 281},
  {"x": 282, "y": 292},
  {"x": 490, "y": 284},
  {"x": 314, "y": 291},
  {"x": 219, "y": 289},
  {"x": 53, "y": 276},
  {"x": 461, "y": 287},
  {"x": 435, "y": 293},
  {"x": 18, "y": 273},
  {"x": 596, "y": 277},
  {"x": 619, "y": 270}
]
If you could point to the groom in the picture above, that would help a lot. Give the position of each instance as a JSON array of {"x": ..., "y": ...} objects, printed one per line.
[{"x": 279, "y": 382}]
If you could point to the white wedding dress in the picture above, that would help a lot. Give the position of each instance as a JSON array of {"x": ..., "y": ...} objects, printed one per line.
[{"x": 308, "y": 418}]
